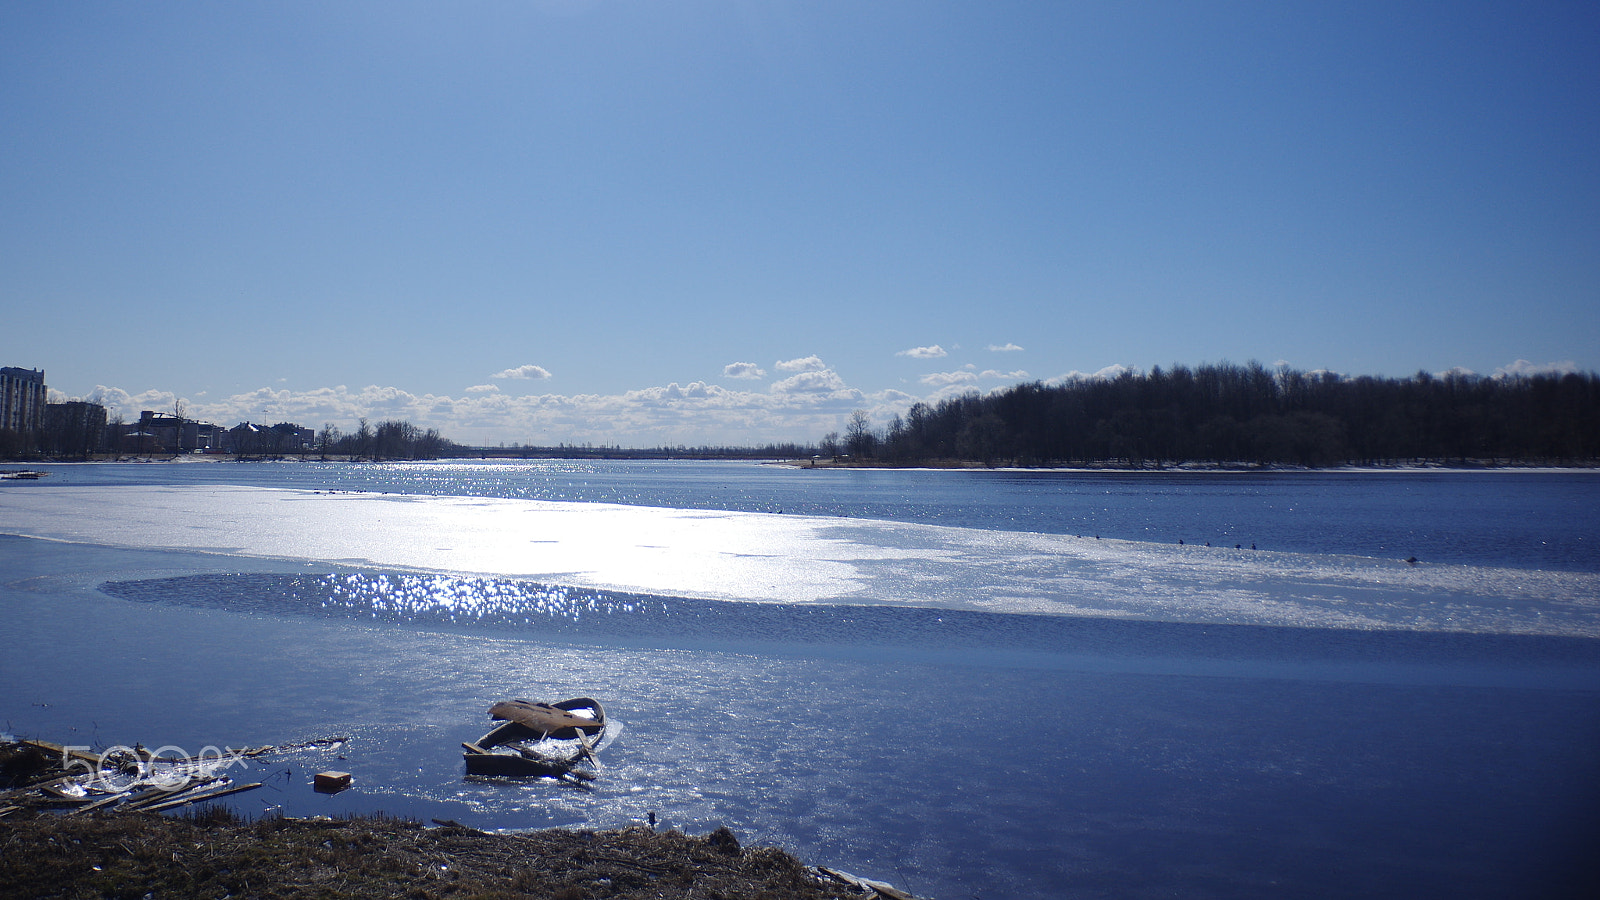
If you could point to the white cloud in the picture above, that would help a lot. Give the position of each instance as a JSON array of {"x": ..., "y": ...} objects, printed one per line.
[
  {"x": 1109, "y": 373},
  {"x": 117, "y": 400},
  {"x": 826, "y": 381},
  {"x": 933, "y": 352},
  {"x": 743, "y": 370},
  {"x": 803, "y": 364},
  {"x": 695, "y": 390},
  {"x": 528, "y": 371},
  {"x": 483, "y": 388},
  {"x": 967, "y": 375},
  {"x": 1004, "y": 348},
  {"x": 1524, "y": 369},
  {"x": 946, "y": 379}
]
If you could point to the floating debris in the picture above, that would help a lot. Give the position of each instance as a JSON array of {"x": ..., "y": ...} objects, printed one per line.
[
  {"x": 330, "y": 782},
  {"x": 327, "y": 743},
  {"x": 36, "y": 774},
  {"x": 866, "y": 886}
]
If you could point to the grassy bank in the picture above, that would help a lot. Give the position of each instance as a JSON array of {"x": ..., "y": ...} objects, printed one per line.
[{"x": 215, "y": 854}]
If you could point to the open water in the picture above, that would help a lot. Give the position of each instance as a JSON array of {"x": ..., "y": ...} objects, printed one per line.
[{"x": 957, "y": 750}]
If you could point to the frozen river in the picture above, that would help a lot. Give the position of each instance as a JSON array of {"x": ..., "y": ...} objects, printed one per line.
[{"x": 962, "y": 711}]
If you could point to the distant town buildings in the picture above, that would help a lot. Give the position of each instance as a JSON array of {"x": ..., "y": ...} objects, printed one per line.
[
  {"x": 284, "y": 437},
  {"x": 78, "y": 428},
  {"x": 75, "y": 428}
]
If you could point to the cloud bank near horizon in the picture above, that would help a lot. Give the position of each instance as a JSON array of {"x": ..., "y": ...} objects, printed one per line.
[
  {"x": 798, "y": 408},
  {"x": 524, "y": 372}
]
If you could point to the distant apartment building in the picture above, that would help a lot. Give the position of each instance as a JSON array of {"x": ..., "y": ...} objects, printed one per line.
[
  {"x": 157, "y": 433},
  {"x": 203, "y": 437},
  {"x": 22, "y": 400},
  {"x": 74, "y": 428},
  {"x": 162, "y": 433},
  {"x": 247, "y": 439},
  {"x": 296, "y": 438},
  {"x": 285, "y": 437}
]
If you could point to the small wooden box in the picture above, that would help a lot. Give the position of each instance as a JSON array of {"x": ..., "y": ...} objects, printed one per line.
[{"x": 331, "y": 782}]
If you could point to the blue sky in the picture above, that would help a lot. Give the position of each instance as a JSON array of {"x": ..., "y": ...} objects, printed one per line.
[{"x": 694, "y": 222}]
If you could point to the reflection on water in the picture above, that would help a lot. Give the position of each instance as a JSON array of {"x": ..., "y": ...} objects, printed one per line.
[{"x": 1051, "y": 641}]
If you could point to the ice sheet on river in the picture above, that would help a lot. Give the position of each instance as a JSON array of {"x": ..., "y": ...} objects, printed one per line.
[{"x": 796, "y": 559}]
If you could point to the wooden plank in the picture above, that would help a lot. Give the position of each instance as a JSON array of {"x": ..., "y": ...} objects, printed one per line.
[
  {"x": 208, "y": 795},
  {"x": 63, "y": 754},
  {"x": 38, "y": 786},
  {"x": 153, "y": 794},
  {"x": 130, "y": 795}
]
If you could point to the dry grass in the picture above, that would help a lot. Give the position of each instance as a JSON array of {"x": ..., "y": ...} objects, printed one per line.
[{"x": 214, "y": 854}]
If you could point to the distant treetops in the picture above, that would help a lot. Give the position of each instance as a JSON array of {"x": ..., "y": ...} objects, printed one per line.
[{"x": 1227, "y": 413}]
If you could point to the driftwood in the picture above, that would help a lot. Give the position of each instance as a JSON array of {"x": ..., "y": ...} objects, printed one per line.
[
  {"x": 203, "y": 795},
  {"x": 332, "y": 743},
  {"x": 867, "y": 885},
  {"x": 44, "y": 774}
]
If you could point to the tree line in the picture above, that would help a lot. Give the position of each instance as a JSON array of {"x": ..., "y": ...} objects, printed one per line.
[
  {"x": 782, "y": 450},
  {"x": 388, "y": 440},
  {"x": 1227, "y": 413}
]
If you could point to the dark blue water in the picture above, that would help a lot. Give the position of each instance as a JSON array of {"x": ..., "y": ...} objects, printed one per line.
[
  {"x": 974, "y": 755},
  {"x": 1535, "y": 520}
]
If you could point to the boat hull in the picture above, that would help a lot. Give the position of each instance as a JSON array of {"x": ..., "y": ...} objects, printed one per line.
[{"x": 539, "y": 740}]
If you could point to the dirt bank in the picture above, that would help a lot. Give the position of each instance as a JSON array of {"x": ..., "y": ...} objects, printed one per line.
[{"x": 215, "y": 854}]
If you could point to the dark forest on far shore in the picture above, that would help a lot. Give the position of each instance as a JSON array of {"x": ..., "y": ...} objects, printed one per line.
[{"x": 1225, "y": 414}]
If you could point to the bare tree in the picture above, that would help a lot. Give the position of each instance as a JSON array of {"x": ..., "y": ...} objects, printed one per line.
[
  {"x": 364, "y": 447},
  {"x": 327, "y": 438},
  {"x": 859, "y": 439},
  {"x": 179, "y": 411},
  {"x": 830, "y": 444}
]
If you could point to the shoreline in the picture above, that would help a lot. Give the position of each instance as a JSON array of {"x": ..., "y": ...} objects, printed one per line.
[
  {"x": 214, "y": 852},
  {"x": 1185, "y": 468},
  {"x": 1236, "y": 468},
  {"x": 69, "y": 801}
]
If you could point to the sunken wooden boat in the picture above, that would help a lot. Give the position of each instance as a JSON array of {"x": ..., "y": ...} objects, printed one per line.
[{"x": 539, "y": 740}]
